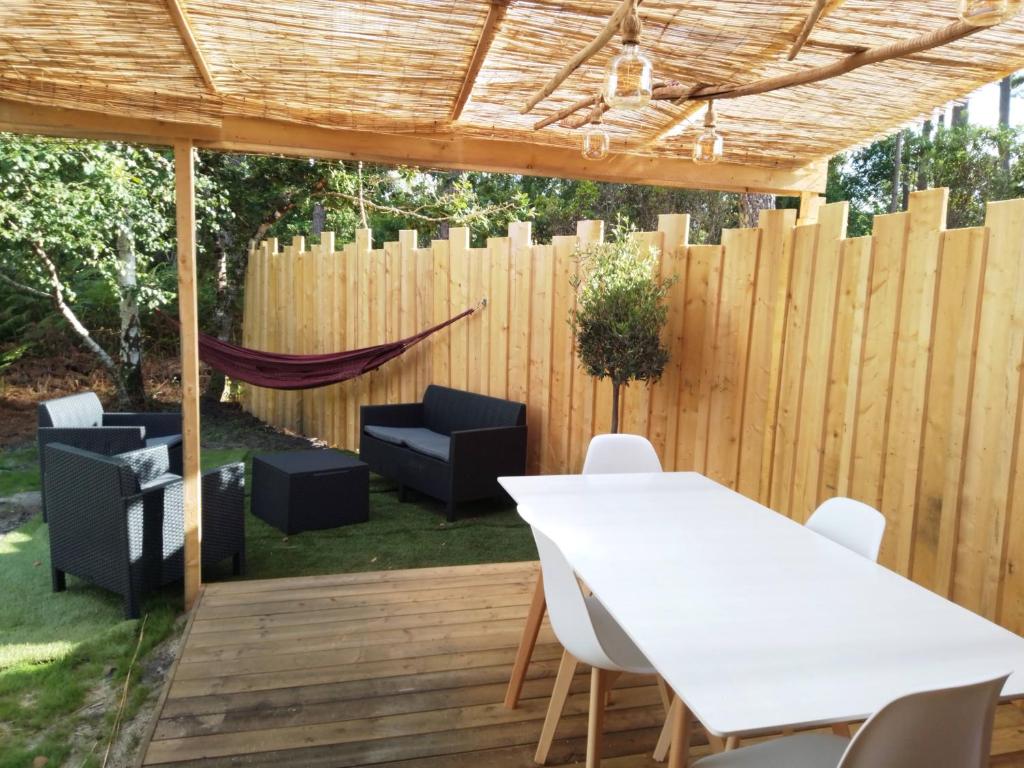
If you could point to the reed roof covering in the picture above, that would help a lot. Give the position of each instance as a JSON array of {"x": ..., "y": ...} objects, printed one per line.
[{"x": 398, "y": 67}]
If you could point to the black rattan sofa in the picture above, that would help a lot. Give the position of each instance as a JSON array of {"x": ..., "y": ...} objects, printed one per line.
[
  {"x": 118, "y": 521},
  {"x": 453, "y": 446},
  {"x": 79, "y": 420}
]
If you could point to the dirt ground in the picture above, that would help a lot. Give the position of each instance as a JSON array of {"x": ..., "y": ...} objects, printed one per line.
[{"x": 30, "y": 380}]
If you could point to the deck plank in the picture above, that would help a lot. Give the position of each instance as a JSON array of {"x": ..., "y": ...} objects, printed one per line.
[{"x": 399, "y": 669}]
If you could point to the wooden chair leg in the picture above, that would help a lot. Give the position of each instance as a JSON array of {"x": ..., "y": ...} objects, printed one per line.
[
  {"x": 566, "y": 671},
  {"x": 666, "y": 693},
  {"x": 665, "y": 738},
  {"x": 731, "y": 743},
  {"x": 679, "y": 750},
  {"x": 526, "y": 643},
  {"x": 841, "y": 729},
  {"x": 717, "y": 743},
  {"x": 595, "y": 724}
]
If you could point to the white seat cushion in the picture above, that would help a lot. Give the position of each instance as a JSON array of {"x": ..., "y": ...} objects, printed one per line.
[{"x": 805, "y": 750}]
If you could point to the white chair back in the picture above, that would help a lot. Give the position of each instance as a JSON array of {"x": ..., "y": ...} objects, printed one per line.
[
  {"x": 610, "y": 454},
  {"x": 950, "y": 727},
  {"x": 567, "y": 607},
  {"x": 851, "y": 523}
]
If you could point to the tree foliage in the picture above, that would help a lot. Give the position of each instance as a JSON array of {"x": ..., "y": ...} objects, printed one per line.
[{"x": 620, "y": 313}]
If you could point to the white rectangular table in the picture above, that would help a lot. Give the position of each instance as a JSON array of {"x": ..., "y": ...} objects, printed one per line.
[{"x": 756, "y": 622}]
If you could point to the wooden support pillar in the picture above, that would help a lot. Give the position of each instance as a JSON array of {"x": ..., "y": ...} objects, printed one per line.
[
  {"x": 810, "y": 204},
  {"x": 185, "y": 209}
]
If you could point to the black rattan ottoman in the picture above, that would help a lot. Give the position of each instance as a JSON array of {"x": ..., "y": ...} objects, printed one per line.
[{"x": 310, "y": 490}]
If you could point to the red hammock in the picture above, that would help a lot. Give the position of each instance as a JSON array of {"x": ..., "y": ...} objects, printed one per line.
[{"x": 279, "y": 371}]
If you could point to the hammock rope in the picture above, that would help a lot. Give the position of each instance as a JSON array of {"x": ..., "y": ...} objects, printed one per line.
[{"x": 276, "y": 370}]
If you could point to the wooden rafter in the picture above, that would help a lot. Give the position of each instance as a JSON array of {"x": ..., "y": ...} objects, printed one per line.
[
  {"x": 898, "y": 50},
  {"x": 181, "y": 21},
  {"x": 595, "y": 45},
  {"x": 805, "y": 30},
  {"x": 495, "y": 14}
]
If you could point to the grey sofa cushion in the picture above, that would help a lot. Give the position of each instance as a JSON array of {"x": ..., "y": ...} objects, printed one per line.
[
  {"x": 414, "y": 438},
  {"x": 430, "y": 444},
  {"x": 391, "y": 435}
]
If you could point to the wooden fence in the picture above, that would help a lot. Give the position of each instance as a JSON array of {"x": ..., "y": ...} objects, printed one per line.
[{"x": 803, "y": 365}]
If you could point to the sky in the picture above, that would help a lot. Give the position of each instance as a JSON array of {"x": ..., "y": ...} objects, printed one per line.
[{"x": 984, "y": 108}]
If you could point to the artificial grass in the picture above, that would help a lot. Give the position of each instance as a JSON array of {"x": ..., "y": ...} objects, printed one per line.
[{"x": 56, "y": 648}]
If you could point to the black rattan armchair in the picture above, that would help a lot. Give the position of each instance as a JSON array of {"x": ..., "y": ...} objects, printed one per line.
[
  {"x": 79, "y": 420},
  {"x": 118, "y": 521}
]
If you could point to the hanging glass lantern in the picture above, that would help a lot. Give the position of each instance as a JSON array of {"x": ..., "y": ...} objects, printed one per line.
[
  {"x": 596, "y": 142},
  {"x": 708, "y": 147},
  {"x": 629, "y": 81},
  {"x": 987, "y": 13}
]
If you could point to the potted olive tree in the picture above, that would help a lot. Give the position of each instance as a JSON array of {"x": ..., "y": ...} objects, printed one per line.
[{"x": 620, "y": 312}]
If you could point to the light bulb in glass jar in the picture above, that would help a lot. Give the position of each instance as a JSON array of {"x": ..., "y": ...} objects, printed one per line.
[
  {"x": 629, "y": 80},
  {"x": 596, "y": 142},
  {"x": 987, "y": 13},
  {"x": 709, "y": 146}
]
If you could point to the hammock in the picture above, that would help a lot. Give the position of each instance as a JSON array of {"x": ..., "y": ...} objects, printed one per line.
[{"x": 279, "y": 371}]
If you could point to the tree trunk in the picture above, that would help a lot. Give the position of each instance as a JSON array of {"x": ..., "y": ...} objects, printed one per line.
[
  {"x": 132, "y": 384},
  {"x": 222, "y": 315},
  {"x": 897, "y": 172},
  {"x": 616, "y": 389},
  {"x": 1005, "y": 94},
  {"x": 960, "y": 117},
  {"x": 924, "y": 160},
  {"x": 751, "y": 205}
]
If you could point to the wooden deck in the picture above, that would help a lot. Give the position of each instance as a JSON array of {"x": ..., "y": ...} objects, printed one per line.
[{"x": 391, "y": 668}]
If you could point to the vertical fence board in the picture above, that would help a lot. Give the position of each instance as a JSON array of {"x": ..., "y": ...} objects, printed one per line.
[
  {"x": 459, "y": 294},
  {"x": 764, "y": 349},
  {"x": 868, "y": 451},
  {"x": 793, "y": 366},
  {"x": 844, "y": 369},
  {"x": 731, "y": 337},
  {"x": 906, "y": 414},
  {"x": 541, "y": 332},
  {"x": 519, "y": 311},
  {"x": 498, "y": 279},
  {"x": 664, "y": 409},
  {"x": 818, "y": 358},
  {"x": 440, "y": 349},
  {"x": 700, "y": 259},
  {"x": 584, "y": 387},
  {"x": 563, "y": 361},
  {"x": 954, "y": 341}
]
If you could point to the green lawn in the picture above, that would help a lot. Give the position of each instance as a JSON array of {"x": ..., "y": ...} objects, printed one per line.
[{"x": 56, "y": 648}]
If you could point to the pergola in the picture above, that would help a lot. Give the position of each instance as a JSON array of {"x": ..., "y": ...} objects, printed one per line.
[{"x": 446, "y": 83}]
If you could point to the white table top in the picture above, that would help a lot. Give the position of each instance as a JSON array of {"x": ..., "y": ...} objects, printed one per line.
[{"x": 755, "y": 621}]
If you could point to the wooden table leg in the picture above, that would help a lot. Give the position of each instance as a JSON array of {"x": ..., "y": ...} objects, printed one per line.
[
  {"x": 679, "y": 751},
  {"x": 526, "y": 643}
]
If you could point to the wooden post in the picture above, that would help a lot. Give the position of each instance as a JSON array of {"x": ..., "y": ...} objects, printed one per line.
[{"x": 185, "y": 209}]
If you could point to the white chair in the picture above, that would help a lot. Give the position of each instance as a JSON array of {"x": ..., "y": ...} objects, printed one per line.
[
  {"x": 590, "y": 635},
  {"x": 853, "y": 524},
  {"x": 609, "y": 454},
  {"x": 944, "y": 728}
]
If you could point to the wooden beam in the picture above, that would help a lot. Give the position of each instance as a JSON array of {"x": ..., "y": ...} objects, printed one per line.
[
  {"x": 181, "y": 21},
  {"x": 185, "y": 216},
  {"x": 805, "y": 30},
  {"x": 451, "y": 151},
  {"x": 503, "y": 156},
  {"x": 595, "y": 45},
  {"x": 494, "y": 16},
  {"x": 943, "y": 36}
]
